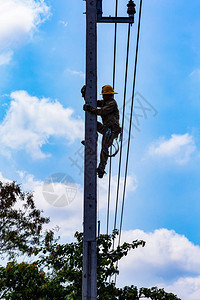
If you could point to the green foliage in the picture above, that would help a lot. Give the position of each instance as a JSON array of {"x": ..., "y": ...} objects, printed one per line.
[
  {"x": 26, "y": 281},
  {"x": 156, "y": 294},
  {"x": 56, "y": 269},
  {"x": 20, "y": 222},
  {"x": 64, "y": 262}
]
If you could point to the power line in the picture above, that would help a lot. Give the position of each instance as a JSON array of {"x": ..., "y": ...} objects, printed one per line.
[
  {"x": 114, "y": 67},
  {"x": 109, "y": 186},
  {"x": 115, "y": 45},
  {"x": 131, "y": 116},
  {"x": 130, "y": 124},
  {"x": 123, "y": 115}
]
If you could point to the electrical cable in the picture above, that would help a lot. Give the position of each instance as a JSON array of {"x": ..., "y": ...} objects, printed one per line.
[
  {"x": 98, "y": 200},
  {"x": 123, "y": 117},
  {"x": 130, "y": 125},
  {"x": 115, "y": 44},
  {"x": 121, "y": 141},
  {"x": 108, "y": 208},
  {"x": 110, "y": 164}
]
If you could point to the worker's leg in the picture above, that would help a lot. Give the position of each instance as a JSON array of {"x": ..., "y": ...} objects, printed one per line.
[
  {"x": 106, "y": 143},
  {"x": 101, "y": 128}
]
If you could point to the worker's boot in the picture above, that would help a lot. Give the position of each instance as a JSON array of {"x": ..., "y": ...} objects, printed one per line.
[
  {"x": 83, "y": 141},
  {"x": 100, "y": 172}
]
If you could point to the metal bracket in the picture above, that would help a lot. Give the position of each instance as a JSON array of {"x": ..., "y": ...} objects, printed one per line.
[{"x": 101, "y": 19}]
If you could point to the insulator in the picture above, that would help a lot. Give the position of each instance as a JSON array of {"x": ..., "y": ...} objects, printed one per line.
[{"x": 131, "y": 8}]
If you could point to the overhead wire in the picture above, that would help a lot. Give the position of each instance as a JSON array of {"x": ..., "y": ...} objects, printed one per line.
[
  {"x": 130, "y": 125},
  {"x": 98, "y": 210},
  {"x": 110, "y": 161},
  {"x": 123, "y": 117},
  {"x": 131, "y": 116},
  {"x": 115, "y": 44},
  {"x": 109, "y": 190}
]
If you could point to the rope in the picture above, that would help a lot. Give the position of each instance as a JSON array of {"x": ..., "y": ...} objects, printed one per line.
[
  {"x": 130, "y": 125},
  {"x": 110, "y": 164}
]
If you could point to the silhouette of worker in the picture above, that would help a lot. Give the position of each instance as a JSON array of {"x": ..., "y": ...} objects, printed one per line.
[{"x": 110, "y": 129}]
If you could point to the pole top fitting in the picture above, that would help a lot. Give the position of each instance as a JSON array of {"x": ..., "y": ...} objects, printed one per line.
[{"x": 131, "y": 8}]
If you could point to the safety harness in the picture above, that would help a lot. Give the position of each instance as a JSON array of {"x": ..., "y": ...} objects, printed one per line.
[{"x": 108, "y": 135}]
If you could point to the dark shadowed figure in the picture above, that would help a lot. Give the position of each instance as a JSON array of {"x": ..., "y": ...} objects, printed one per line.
[{"x": 109, "y": 128}]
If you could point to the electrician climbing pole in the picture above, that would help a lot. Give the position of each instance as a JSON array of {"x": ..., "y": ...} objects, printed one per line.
[{"x": 93, "y": 15}]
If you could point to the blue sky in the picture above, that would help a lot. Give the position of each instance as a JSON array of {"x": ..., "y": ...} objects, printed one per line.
[{"x": 42, "y": 66}]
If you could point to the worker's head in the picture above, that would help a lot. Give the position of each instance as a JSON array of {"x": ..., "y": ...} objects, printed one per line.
[{"x": 107, "y": 92}]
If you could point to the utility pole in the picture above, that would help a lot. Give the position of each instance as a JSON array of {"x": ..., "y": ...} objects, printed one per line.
[
  {"x": 93, "y": 15},
  {"x": 89, "y": 291}
]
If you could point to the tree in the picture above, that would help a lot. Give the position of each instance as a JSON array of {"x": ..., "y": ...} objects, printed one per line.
[
  {"x": 55, "y": 271},
  {"x": 21, "y": 222}
]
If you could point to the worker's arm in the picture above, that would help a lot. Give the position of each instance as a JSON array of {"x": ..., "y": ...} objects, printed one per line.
[
  {"x": 91, "y": 109},
  {"x": 108, "y": 108},
  {"x": 100, "y": 103},
  {"x": 83, "y": 90},
  {"x": 103, "y": 111}
]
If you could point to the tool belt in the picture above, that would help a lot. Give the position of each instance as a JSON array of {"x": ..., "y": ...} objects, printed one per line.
[
  {"x": 113, "y": 130},
  {"x": 112, "y": 133}
]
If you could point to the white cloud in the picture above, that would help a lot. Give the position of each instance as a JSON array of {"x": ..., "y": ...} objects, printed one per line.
[
  {"x": 178, "y": 147},
  {"x": 3, "y": 179},
  {"x": 79, "y": 73},
  {"x": 131, "y": 186},
  {"x": 6, "y": 57},
  {"x": 67, "y": 217},
  {"x": 168, "y": 260},
  {"x": 18, "y": 21},
  {"x": 187, "y": 288},
  {"x": 64, "y": 23},
  {"x": 30, "y": 121},
  {"x": 195, "y": 74},
  {"x": 70, "y": 216}
]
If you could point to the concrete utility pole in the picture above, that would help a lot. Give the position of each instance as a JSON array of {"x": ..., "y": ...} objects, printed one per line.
[
  {"x": 93, "y": 15},
  {"x": 90, "y": 178}
]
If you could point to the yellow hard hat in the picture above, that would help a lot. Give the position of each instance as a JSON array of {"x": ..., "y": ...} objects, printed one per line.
[{"x": 107, "y": 90}]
